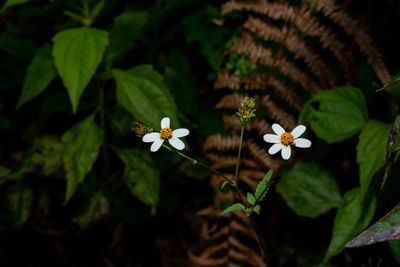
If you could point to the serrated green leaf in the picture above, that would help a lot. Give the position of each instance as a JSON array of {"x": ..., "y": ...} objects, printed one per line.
[
  {"x": 142, "y": 92},
  {"x": 47, "y": 156},
  {"x": 352, "y": 217},
  {"x": 257, "y": 209},
  {"x": 371, "y": 151},
  {"x": 127, "y": 28},
  {"x": 142, "y": 180},
  {"x": 97, "y": 208},
  {"x": 41, "y": 72},
  {"x": 387, "y": 228},
  {"x": 251, "y": 199},
  {"x": 21, "y": 204},
  {"x": 309, "y": 189},
  {"x": 234, "y": 207},
  {"x": 10, "y": 3},
  {"x": 342, "y": 113},
  {"x": 261, "y": 190},
  {"x": 82, "y": 143},
  {"x": 77, "y": 54}
]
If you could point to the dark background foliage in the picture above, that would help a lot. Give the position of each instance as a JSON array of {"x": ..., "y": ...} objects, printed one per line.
[{"x": 136, "y": 208}]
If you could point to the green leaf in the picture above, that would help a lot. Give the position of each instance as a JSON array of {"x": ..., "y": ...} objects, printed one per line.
[
  {"x": 142, "y": 92},
  {"x": 261, "y": 190},
  {"x": 40, "y": 73},
  {"x": 21, "y": 204},
  {"x": 97, "y": 208},
  {"x": 223, "y": 185},
  {"x": 234, "y": 207},
  {"x": 387, "y": 228},
  {"x": 251, "y": 199},
  {"x": 47, "y": 156},
  {"x": 352, "y": 217},
  {"x": 395, "y": 249},
  {"x": 257, "y": 209},
  {"x": 309, "y": 189},
  {"x": 82, "y": 143},
  {"x": 10, "y": 3},
  {"x": 371, "y": 151},
  {"x": 142, "y": 180},
  {"x": 127, "y": 28},
  {"x": 77, "y": 53},
  {"x": 342, "y": 113}
]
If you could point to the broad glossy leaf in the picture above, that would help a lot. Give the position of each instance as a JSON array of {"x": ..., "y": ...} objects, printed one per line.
[
  {"x": 352, "y": 217},
  {"x": 10, "y": 3},
  {"x": 47, "y": 156},
  {"x": 261, "y": 190},
  {"x": 309, "y": 189},
  {"x": 342, "y": 113},
  {"x": 97, "y": 208},
  {"x": 234, "y": 207},
  {"x": 142, "y": 92},
  {"x": 371, "y": 151},
  {"x": 142, "y": 180},
  {"x": 77, "y": 53},
  {"x": 387, "y": 228},
  {"x": 82, "y": 143},
  {"x": 40, "y": 73},
  {"x": 127, "y": 28},
  {"x": 21, "y": 204}
]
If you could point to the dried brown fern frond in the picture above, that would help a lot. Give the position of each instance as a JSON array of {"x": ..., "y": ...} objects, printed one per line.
[{"x": 297, "y": 66}]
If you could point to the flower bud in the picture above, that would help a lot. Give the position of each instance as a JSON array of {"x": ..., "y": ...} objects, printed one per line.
[
  {"x": 140, "y": 129},
  {"x": 246, "y": 110}
]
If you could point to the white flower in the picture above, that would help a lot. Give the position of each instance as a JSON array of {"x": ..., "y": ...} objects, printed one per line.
[
  {"x": 166, "y": 134},
  {"x": 283, "y": 140}
]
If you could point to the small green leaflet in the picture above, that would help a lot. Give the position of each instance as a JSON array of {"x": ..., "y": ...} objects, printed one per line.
[
  {"x": 82, "y": 143},
  {"x": 40, "y": 73},
  {"x": 77, "y": 53},
  {"x": 257, "y": 209},
  {"x": 387, "y": 228},
  {"x": 371, "y": 151},
  {"x": 261, "y": 190},
  {"x": 250, "y": 198},
  {"x": 234, "y": 207}
]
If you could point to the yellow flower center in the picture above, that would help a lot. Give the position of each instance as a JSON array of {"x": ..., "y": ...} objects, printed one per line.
[
  {"x": 287, "y": 139},
  {"x": 166, "y": 133}
]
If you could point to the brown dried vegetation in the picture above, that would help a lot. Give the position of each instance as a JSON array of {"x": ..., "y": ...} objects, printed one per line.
[{"x": 297, "y": 71}]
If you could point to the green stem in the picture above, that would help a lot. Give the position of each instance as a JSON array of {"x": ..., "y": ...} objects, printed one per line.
[
  {"x": 238, "y": 157},
  {"x": 195, "y": 162}
]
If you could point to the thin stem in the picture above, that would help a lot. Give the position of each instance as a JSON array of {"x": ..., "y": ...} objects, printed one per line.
[
  {"x": 238, "y": 157},
  {"x": 195, "y": 162}
]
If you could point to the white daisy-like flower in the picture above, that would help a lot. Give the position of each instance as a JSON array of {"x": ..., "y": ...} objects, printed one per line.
[
  {"x": 283, "y": 140},
  {"x": 166, "y": 134}
]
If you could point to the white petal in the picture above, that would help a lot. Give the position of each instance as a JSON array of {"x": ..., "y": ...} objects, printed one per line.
[
  {"x": 286, "y": 152},
  {"x": 278, "y": 129},
  {"x": 272, "y": 138},
  {"x": 165, "y": 123},
  {"x": 302, "y": 142},
  {"x": 181, "y": 132},
  {"x": 150, "y": 137},
  {"x": 156, "y": 145},
  {"x": 175, "y": 142},
  {"x": 275, "y": 148},
  {"x": 299, "y": 130}
]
